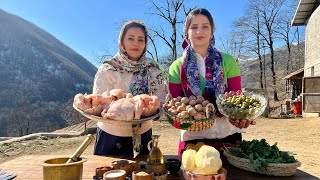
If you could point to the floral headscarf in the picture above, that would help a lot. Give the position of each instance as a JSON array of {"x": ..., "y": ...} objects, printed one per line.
[
  {"x": 145, "y": 76},
  {"x": 214, "y": 76}
]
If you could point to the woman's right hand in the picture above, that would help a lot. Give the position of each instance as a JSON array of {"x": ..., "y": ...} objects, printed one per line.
[{"x": 242, "y": 123}]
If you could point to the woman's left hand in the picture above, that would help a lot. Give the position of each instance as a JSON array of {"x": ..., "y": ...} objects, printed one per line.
[{"x": 242, "y": 123}]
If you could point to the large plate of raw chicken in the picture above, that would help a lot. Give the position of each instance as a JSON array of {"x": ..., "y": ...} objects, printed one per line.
[{"x": 117, "y": 106}]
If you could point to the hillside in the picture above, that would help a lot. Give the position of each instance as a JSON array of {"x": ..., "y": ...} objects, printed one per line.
[
  {"x": 38, "y": 75},
  {"x": 250, "y": 68}
]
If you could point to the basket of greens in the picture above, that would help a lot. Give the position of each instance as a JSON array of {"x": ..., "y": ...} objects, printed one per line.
[{"x": 259, "y": 157}]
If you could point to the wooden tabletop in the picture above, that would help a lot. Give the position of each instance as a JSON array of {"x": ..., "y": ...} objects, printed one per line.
[{"x": 29, "y": 167}]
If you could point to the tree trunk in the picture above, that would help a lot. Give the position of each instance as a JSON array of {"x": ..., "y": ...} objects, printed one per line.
[
  {"x": 259, "y": 53},
  {"x": 275, "y": 95},
  {"x": 261, "y": 71},
  {"x": 264, "y": 71},
  {"x": 174, "y": 42},
  {"x": 274, "y": 79},
  {"x": 289, "y": 58}
]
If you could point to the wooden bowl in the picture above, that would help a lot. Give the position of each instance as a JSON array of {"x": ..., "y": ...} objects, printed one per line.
[{"x": 142, "y": 175}]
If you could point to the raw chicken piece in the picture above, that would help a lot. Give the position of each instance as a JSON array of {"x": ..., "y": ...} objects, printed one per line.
[
  {"x": 116, "y": 94},
  {"x": 92, "y": 103},
  {"x": 151, "y": 104},
  {"x": 125, "y": 109},
  {"x": 98, "y": 104},
  {"x": 80, "y": 102}
]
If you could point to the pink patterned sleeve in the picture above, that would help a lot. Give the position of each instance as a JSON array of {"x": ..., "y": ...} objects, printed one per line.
[
  {"x": 234, "y": 83},
  {"x": 175, "y": 89}
]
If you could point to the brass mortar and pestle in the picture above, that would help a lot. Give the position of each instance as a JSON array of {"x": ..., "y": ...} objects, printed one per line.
[{"x": 65, "y": 168}]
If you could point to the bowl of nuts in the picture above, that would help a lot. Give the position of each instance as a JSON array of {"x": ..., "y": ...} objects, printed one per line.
[
  {"x": 241, "y": 106},
  {"x": 192, "y": 113}
]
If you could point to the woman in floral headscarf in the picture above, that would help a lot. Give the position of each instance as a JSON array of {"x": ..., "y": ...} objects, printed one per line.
[
  {"x": 203, "y": 70},
  {"x": 131, "y": 71}
]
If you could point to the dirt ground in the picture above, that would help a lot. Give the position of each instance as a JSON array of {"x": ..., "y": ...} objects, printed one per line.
[{"x": 298, "y": 135}]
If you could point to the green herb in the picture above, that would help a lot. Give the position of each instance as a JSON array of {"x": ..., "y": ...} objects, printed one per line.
[{"x": 260, "y": 153}]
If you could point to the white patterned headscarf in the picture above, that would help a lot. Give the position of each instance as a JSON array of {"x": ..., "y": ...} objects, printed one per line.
[{"x": 146, "y": 74}]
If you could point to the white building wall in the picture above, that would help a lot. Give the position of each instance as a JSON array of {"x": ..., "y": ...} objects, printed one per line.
[{"x": 312, "y": 47}]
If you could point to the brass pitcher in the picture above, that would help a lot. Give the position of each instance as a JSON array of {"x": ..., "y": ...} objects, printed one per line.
[{"x": 155, "y": 155}]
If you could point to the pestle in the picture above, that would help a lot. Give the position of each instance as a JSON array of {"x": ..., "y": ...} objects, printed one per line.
[{"x": 81, "y": 148}]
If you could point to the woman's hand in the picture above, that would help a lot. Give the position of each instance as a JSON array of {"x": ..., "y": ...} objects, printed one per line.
[{"x": 242, "y": 123}]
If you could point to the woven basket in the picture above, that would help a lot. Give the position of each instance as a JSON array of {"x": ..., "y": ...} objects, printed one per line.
[
  {"x": 190, "y": 124},
  {"x": 272, "y": 169}
]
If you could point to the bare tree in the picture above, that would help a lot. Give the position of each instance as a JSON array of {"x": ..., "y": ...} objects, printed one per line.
[
  {"x": 285, "y": 30},
  {"x": 186, "y": 10},
  {"x": 151, "y": 38},
  {"x": 233, "y": 43},
  {"x": 101, "y": 57},
  {"x": 284, "y": 34},
  {"x": 21, "y": 121},
  {"x": 255, "y": 16},
  {"x": 170, "y": 11},
  {"x": 250, "y": 24},
  {"x": 298, "y": 34},
  {"x": 269, "y": 12}
]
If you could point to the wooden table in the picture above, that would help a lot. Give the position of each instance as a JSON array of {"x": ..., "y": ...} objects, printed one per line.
[{"x": 29, "y": 167}]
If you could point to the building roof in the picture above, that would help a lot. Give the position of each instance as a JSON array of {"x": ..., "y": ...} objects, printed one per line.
[
  {"x": 295, "y": 73},
  {"x": 304, "y": 11}
]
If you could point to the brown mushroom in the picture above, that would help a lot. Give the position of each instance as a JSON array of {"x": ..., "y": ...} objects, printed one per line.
[
  {"x": 198, "y": 107},
  {"x": 204, "y": 103},
  {"x": 192, "y": 97},
  {"x": 188, "y": 107},
  {"x": 181, "y": 108},
  {"x": 184, "y": 114},
  {"x": 185, "y": 100},
  {"x": 200, "y": 99},
  {"x": 198, "y": 116},
  {"x": 174, "y": 111},
  {"x": 192, "y": 111},
  {"x": 192, "y": 102},
  {"x": 177, "y": 104}
]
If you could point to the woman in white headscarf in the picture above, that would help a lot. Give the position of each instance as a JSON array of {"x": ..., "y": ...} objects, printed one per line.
[{"x": 131, "y": 71}]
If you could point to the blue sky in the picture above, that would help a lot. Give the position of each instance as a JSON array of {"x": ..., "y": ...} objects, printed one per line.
[{"x": 91, "y": 27}]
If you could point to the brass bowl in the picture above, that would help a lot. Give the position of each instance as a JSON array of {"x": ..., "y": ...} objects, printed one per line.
[{"x": 57, "y": 168}]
